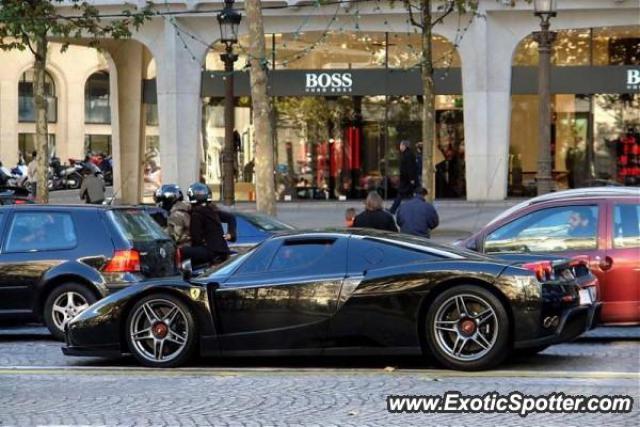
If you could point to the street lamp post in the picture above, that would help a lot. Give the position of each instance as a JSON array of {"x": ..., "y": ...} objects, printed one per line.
[
  {"x": 545, "y": 9},
  {"x": 229, "y": 20}
]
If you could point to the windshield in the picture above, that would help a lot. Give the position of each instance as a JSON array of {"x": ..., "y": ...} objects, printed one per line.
[
  {"x": 266, "y": 223},
  {"x": 136, "y": 225}
]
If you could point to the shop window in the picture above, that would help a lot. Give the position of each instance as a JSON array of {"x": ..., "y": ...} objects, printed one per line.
[
  {"x": 405, "y": 51},
  {"x": 97, "y": 144},
  {"x": 26, "y": 104},
  {"x": 27, "y": 145},
  {"x": 585, "y": 47},
  {"x": 97, "y": 106}
]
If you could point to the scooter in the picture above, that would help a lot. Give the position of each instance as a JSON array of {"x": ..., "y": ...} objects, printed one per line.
[{"x": 63, "y": 177}]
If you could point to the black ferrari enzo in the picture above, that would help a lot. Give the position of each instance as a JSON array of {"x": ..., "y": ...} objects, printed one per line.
[{"x": 346, "y": 292}]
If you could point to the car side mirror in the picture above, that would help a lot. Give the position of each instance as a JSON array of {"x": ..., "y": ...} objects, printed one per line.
[{"x": 187, "y": 270}]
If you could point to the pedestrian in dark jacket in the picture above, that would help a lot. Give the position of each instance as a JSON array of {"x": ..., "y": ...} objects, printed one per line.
[
  {"x": 417, "y": 216},
  {"x": 408, "y": 175},
  {"x": 208, "y": 240},
  {"x": 374, "y": 216}
]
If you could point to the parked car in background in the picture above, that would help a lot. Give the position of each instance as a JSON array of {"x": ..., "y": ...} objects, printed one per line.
[
  {"x": 253, "y": 228},
  {"x": 601, "y": 224},
  {"x": 345, "y": 292},
  {"x": 57, "y": 260},
  {"x": 14, "y": 196}
]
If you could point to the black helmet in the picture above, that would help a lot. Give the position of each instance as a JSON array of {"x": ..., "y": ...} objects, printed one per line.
[
  {"x": 198, "y": 193},
  {"x": 167, "y": 195}
]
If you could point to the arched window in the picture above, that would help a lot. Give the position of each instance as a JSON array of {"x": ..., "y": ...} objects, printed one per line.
[
  {"x": 97, "y": 107},
  {"x": 26, "y": 104}
]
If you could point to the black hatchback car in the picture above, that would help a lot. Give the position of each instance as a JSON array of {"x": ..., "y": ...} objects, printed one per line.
[{"x": 55, "y": 261}]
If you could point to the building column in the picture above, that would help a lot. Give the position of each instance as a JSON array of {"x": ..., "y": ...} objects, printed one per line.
[
  {"x": 179, "y": 106},
  {"x": 9, "y": 122},
  {"x": 126, "y": 120},
  {"x": 486, "y": 87}
]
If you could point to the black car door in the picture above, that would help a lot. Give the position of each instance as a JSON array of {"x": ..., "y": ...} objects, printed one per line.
[
  {"x": 33, "y": 242},
  {"x": 284, "y": 297}
]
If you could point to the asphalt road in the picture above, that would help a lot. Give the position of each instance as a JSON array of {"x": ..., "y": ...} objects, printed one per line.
[{"x": 40, "y": 386}]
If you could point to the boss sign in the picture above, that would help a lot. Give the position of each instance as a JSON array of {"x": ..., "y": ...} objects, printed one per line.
[{"x": 328, "y": 82}]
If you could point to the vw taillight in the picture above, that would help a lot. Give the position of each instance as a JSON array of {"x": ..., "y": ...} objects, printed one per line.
[{"x": 123, "y": 262}]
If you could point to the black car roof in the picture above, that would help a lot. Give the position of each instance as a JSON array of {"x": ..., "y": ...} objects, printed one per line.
[{"x": 38, "y": 206}]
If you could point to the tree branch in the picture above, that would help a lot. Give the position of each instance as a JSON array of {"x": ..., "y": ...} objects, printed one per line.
[
  {"x": 450, "y": 8},
  {"x": 409, "y": 6}
]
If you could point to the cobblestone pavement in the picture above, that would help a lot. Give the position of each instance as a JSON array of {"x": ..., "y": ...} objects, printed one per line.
[{"x": 39, "y": 386}]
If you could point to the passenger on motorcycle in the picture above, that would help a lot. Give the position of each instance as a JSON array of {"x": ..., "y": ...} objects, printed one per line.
[{"x": 208, "y": 240}]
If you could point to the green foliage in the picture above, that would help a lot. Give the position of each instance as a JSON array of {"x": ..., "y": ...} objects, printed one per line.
[{"x": 22, "y": 22}]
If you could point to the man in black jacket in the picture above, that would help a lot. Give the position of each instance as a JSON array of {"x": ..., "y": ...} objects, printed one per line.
[
  {"x": 408, "y": 175},
  {"x": 208, "y": 241},
  {"x": 374, "y": 216}
]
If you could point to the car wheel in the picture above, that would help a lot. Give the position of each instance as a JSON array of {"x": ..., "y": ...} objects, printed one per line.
[
  {"x": 63, "y": 304},
  {"x": 467, "y": 328},
  {"x": 161, "y": 331}
]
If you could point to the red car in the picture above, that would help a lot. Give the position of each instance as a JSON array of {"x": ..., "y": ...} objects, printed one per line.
[{"x": 600, "y": 224}]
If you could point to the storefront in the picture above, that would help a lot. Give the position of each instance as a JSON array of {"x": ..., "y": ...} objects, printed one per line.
[
  {"x": 343, "y": 102},
  {"x": 595, "y": 124},
  {"x": 340, "y": 112}
]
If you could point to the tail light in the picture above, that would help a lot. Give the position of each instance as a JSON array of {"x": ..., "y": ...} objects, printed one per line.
[
  {"x": 123, "y": 262},
  {"x": 542, "y": 269},
  {"x": 20, "y": 202}
]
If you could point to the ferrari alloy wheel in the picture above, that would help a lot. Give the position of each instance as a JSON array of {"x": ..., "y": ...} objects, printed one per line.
[
  {"x": 467, "y": 328},
  {"x": 161, "y": 331},
  {"x": 63, "y": 304}
]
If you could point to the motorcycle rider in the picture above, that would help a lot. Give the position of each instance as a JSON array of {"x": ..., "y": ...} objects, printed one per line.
[
  {"x": 208, "y": 241},
  {"x": 170, "y": 198}
]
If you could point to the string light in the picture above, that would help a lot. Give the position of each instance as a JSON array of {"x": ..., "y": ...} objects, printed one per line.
[{"x": 445, "y": 58}]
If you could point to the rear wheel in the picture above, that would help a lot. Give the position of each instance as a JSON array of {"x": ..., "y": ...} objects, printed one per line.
[
  {"x": 161, "y": 331},
  {"x": 63, "y": 304},
  {"x": 467, "y": 328}
]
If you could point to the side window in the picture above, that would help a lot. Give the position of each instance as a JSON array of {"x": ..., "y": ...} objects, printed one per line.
[
  {"x": 366, "y": 254},
  {"x": 626, "y": 226},
  {"x": 547, "y": 230},
  {"x": 300, "y": 254},
  {"x": 41, "y": 231}
]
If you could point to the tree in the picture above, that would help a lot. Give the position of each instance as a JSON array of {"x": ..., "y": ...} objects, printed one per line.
[
  {"x": 421, "y": 15},
  {"x": 261, "y": 103},
  {"x": 31, "y": 24}
]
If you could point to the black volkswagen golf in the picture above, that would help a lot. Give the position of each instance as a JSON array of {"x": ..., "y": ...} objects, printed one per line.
[{"x": 57, "y": 260}]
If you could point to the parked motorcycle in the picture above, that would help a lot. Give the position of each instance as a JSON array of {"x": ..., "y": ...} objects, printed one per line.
[
  {"x": 16, "y": 177},
  {"x": 64, "y": 177}
]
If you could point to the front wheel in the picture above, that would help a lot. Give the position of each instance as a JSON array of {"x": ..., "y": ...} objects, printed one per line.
[
  {"x": 467, "y": 328},
  {"x": 74, "y": 181},
  {"x": 161, "y": 331}
]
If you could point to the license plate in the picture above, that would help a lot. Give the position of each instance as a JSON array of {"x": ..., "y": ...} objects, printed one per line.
[{"x": 585, "y": 296}]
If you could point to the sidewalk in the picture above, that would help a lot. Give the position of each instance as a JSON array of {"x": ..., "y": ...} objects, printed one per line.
[{"x": 458, "y": 218}]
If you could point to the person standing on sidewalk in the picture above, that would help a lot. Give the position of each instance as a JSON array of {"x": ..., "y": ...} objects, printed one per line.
[
  {"x": 92, "y": 189},
  {"x": 408, "y": 175},
  {"x": 417, "y": 216},
  {"x": 374, "y": 216},
  {"x": 32, "y": 174}
]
